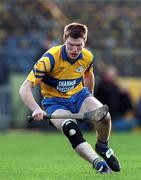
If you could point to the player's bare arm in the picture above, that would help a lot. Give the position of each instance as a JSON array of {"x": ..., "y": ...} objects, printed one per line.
[
  {"x": 27, "y": 97},
  {"x": 89, "y": 81}
]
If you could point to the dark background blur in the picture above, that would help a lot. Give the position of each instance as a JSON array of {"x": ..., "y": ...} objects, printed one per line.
[{"x": 28, "y": 28}]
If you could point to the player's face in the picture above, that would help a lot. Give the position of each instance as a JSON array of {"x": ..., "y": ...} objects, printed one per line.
[{"x": 74, "y": 47}]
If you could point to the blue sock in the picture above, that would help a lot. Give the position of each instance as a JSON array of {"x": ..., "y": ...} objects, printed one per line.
[
  {"x": 98, "y": 163},
  {"x": 102, "y": 145}
]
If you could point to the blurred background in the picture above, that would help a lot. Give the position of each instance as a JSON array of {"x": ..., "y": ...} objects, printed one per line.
[{"x": 29, "y": 28}]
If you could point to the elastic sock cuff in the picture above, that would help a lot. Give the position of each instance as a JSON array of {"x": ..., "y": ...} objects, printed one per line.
[{"x": 102, "y": 145}]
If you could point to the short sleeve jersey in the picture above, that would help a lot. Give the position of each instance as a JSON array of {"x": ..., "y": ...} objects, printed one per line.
[{"x": 57, "y": 75}]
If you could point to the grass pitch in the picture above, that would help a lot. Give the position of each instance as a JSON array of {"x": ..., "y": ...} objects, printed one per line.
[{"x": 49, "y": 156}]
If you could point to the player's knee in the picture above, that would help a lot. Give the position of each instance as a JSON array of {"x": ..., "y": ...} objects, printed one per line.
[
  {"x": 72, "y": 132},
  {"x": 107, "y": 119}
]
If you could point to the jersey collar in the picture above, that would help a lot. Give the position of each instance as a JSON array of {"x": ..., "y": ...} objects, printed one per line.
[{"x": 65, "y": 57}]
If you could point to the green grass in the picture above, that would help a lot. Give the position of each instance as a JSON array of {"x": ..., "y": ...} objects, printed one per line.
[{"x": 48, "y": 156}]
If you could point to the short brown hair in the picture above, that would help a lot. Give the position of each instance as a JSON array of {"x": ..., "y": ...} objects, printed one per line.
[{"x": 75, "y": 30}]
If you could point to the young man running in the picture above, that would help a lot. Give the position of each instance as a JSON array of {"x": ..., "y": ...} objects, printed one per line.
[{"x": 65, "y": 75}]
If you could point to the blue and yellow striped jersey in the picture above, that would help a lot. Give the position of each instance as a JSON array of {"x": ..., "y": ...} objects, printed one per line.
[{"x": 57, "y": 75}]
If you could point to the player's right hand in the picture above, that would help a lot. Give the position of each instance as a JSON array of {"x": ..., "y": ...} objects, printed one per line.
[{"x": 38, "y": 114}]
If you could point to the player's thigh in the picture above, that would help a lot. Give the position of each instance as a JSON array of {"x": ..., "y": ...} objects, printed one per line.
[
  {"x": 90, "y": 104},
  {"x": 58, "y": 123}
]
